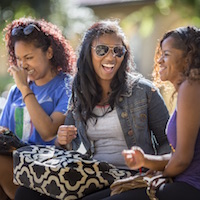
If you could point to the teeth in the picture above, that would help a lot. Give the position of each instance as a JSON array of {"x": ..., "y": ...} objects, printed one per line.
[
  {"x": 108, "y": 65},
  {"x": 162, "y": 66},
  {"x": 30, "y": 71}
]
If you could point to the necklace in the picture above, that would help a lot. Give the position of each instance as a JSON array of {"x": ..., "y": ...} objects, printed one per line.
[{"x": 172, "y": 148}]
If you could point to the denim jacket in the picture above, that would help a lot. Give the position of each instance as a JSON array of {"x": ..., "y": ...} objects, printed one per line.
[{"x": 143, "y": 116}]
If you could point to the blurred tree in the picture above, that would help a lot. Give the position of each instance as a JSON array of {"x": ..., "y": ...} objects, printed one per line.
[
  {"x": 185, "y": 7},
  {"x": 12, "y": 9},
  {"x": 65, "y": 13},
  {"x": 71, "y": 18}
]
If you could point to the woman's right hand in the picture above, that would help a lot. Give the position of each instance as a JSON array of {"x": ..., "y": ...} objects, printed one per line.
[
  {"x": 134, "y": 158},
  {"x": 66, "y": 133},
  {"x": 19, "y": 75}
]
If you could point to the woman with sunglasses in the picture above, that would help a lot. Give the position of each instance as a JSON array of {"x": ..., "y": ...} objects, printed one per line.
[
  {"x": 112, "y": 106},
  {"x": 41, "y": 64}
]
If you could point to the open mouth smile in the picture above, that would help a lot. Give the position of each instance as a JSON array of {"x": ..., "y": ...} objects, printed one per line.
[
  {"x": 30, "y": 71},
  {"x": 108, "y": 67}
]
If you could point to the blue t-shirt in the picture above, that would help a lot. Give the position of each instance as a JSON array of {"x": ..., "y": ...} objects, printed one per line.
[{"x": 52, "y": 97}]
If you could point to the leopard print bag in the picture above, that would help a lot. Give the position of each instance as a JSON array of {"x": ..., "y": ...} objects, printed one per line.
[
  {"x": 151, "y": 181},
  {"x": 62, "y": 174}
]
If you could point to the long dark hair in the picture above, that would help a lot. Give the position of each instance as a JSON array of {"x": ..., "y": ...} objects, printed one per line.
[{"x": 87, "y": 92}]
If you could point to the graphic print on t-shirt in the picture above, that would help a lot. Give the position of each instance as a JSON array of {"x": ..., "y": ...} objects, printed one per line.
[{"x": 23, "y": 125}]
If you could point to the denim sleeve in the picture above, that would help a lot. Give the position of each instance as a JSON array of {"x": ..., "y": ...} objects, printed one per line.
[
  {"x": 158, "y": 116},
  {"x": 69, "y": 120}
]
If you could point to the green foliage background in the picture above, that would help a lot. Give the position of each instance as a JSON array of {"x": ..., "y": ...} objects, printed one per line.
[{"x": 73, "y": 19}]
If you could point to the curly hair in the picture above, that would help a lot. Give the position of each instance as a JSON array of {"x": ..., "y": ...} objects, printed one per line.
[
  {"x": 86, "y": 91},
  {"x": 186, "y": 39},
  {"x": 44, "y": 35}
]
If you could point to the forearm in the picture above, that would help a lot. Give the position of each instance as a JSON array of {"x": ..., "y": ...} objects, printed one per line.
[
  {"x": 157, "y": 163},
  {"x": 44, "y": 124},
  {"x": 175, "y": 166}
]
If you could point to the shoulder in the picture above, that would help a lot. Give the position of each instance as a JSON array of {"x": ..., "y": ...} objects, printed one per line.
[
  {"x": 64, "y": 85},
  {"x": 146, "y": 83},
  {"x": 62, "y": 81},
  {"x": 189, "y": 84},
  {"x": 13, "y": 94},
  {"x": 138, "y": 88},
  {"x": 138, "y": 81},
  {"x": 14, "y": 90},
  {"x": 189, "y": 91},
  {"x": 188, "y": 97},
  {"x": 63, "y": 77}
]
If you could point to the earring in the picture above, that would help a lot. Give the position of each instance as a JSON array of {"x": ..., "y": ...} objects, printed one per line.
[
  {"x": 50, "y": 56},
  {"x": 50, "y": 53}
]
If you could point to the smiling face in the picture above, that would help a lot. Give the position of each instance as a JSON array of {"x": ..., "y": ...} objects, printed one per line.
[
  {"x": 106, "y": 66},
  {"x": 172, "y": 62},
  {"x": 34, "y": 61}
]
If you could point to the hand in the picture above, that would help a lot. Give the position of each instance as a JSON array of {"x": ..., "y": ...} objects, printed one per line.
[
  {"x": 66, "y": 134},
  {"x": 3, "y": 129},
  {"x": 19, "y": 75},
  {"x": 134, "y": 158}
]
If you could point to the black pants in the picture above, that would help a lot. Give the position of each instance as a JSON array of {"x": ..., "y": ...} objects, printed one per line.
[
  {"x": 170, "y": 191},
  {"x": 24, "y": 193}
]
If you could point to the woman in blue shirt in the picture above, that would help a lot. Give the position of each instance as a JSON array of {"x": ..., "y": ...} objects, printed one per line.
[{"x": 41, "y": 64}]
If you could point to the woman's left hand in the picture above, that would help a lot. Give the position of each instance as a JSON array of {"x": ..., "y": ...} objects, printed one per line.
[{"x": 3, "y": 129}]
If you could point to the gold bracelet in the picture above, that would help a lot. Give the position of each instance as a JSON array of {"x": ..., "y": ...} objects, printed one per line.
[{"x": 27, "y": 95}]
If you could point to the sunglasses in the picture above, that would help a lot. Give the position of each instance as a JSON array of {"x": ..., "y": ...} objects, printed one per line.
[
  {"x": 27, "y": 30},
  {"x": 102, "y": 50}
]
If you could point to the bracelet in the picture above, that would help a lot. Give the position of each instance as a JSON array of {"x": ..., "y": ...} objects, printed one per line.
[{"x": 27, "y": 95}]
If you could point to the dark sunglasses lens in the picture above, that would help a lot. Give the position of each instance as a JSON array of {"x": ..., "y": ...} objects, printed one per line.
[
  {"x": 101, "y": 50},
  {"x": 16, "y": 30},
  {"x": 29, "y": 29},
  {"x": 119, "y": 51}
]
